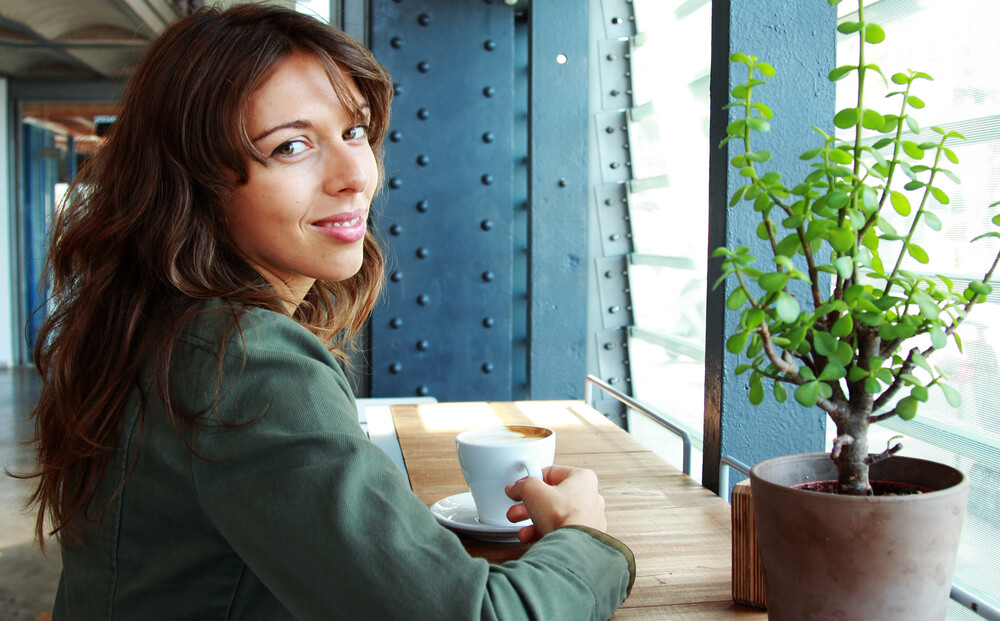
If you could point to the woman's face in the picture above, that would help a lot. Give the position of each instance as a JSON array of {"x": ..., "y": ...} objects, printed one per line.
[{"x": 302, "y": 215}]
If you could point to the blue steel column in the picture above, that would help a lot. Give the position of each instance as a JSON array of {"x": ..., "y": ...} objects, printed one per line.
[
  {"x": 557, "y": 229},
  {"x": 798, "y": 39},
  {"x": 445, "y": 326}
]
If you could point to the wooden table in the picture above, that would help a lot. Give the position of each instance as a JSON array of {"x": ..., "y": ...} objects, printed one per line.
[{"x": 678, "y": 530}]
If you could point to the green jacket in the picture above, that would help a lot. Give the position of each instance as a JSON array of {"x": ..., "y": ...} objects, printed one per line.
[{"x": 279, "y": 507}]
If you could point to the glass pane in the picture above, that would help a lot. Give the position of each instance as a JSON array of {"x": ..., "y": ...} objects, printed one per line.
[
  {"x": 965, "y": 97},
  {"x": 669, "y": 136}
]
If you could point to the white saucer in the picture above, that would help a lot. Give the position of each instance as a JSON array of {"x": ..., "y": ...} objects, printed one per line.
[{"x": 459, "y": 513}]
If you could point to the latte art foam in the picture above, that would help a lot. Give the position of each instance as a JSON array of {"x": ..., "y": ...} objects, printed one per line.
[{"x": 512, "y": 434}]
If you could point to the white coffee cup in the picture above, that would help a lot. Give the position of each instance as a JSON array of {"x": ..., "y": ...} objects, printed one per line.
[{"x": 493, "y": 457}]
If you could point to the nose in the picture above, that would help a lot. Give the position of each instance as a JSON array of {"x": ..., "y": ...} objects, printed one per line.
[{"x": 349, "y": 169}]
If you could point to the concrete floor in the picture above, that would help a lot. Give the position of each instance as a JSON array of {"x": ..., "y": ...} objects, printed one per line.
[{"x": 27, "y": 579}]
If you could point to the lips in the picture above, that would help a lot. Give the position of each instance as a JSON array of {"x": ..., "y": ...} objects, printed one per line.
[{"x": 345, "y": 227}]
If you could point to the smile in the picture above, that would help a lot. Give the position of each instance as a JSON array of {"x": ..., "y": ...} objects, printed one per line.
[{"x": 348, "y": 223}]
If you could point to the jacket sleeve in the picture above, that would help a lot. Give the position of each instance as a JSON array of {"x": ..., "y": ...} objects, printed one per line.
[{"x": 330, "y": 525}]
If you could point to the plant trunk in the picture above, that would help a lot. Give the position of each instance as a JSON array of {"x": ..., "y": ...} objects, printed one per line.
[{"x": 852, "y": 463}]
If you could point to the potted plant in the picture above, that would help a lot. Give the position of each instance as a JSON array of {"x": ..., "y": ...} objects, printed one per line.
[{"x": 833, "y": 319}]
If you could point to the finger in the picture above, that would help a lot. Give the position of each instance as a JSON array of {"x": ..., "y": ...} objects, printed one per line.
[
  {"x": 518, "y": 512},
  {"x": 554, "y": 475},
  {"x": 527, "y": 534}
]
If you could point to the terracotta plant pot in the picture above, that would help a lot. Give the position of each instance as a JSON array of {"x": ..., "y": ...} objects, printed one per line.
[{"x": 872, "y": 558}]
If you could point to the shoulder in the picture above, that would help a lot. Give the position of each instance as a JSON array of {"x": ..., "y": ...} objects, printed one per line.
[{"x": 239, "y": 361}]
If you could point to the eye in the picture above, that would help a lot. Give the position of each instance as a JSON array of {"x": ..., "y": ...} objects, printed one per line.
[
  {"x": 290, "y": 147},
  {"x": 358, "y": 132}
]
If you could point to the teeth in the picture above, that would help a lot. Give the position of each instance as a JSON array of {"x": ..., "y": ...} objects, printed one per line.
[{"x": 348, "y": 223}]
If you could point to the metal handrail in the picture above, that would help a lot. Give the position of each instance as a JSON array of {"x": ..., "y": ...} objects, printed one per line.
[
  {"x": 644, "y": 409},
  {"x": 725, "y": 464}
]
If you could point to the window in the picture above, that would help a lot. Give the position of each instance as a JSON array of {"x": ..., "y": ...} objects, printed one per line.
[
  {"x": 956, "y": 44},
  {"x": 668, "y": 210}
]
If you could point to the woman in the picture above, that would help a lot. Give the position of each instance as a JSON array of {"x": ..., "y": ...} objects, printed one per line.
[{"x": 199, "y": 452}]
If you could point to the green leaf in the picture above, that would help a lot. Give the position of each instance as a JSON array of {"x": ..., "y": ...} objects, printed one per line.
[
  {"x": 842, "y": 240},
  {"x": 920, "y": 361},
  {"x": 919, "y": 393},
  {"x": 978, "y": 286},
  {"x": 773, "y": 281},
  {"x": 874, "y": 33},
  {"x": 754, "y": 317},
  {"x": 912, "y": 124},
  {"x": 832, "y": 372},
  {"x": 915, "y": 102},
  {"x": 928, "y": 308},
  {"x": 911, "y": 149},
  {"x": 938, "y": 337},
  {"x": 843, "y": 326},
  {"x": 900, "y": 78},
  {"x": 933, "y": 221},
  {"x": 736, "y": 299},
  {"x": 872, "y": 386},
  {"x": 780, "y": 393},
  {"x": 759, "y": 125},
  {"x": 824, "y": 342},
  {"x": 918, "y": 253},
  {"x": 872, "y": 120},
  {"x": 940, "y": 195},
  {"x": 739, "y": 57},
  {"x": 846, "y": 118},
  {"x": 849, "y": 27},
  {"x": 954, "y": 399},
  {"x": 765, "y": 69},
  {"x": 950, "y": 155},
  {"x": 737, "y": 128},
  {"x": 845, "y": 267},
  {"x": 844, "y": 354},
  {"x": 841, "y": 71},
  {"x": 756, "y": 391},
  {"x": 906, "y": 408},
  {"x": 787, "y": 307},
  {"x": 736, "y": 343},
  {"x": 900, "y": 203},
  {"x": 807, "y": 394}
]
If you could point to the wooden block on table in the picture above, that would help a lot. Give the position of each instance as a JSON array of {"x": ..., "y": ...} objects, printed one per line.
[{"x": 748, "y": 571}]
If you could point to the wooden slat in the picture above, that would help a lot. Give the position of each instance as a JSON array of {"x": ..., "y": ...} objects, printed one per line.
[{"x": 679, "y": 531}]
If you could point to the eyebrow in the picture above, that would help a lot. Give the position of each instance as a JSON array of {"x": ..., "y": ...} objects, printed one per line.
[{"x": 365, "y": 114}]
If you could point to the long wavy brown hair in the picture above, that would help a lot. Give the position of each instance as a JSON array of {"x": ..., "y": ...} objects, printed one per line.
[{"x": 143, "y": 241}]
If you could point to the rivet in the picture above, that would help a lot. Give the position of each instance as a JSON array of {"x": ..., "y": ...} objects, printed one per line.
[
  {"x": 488, "y": 322},
  {"x": 422, "y": 160},
  {"x": 488, "y": 137},
  {"x": 614, "y": 309},
  {"x": 396, "y": 323},
  {"x": 396, "y": 276},
  {"x": 609, "y": 202},
  {"x": 613, "y": 380},
  {"x": 489, "y": 91},
  {"x": 615, "y": 165},
  {"x": 423, "y": 66},
  {"x": 487, "y": 179},
  {"x": 616, "y": 20},
  {"x": 423, "y": 206},
  {"x": 422, "y": 253},
  {"x": 609, "y": 130},
  {"x": 562, "y": 183},
  {"x": 615, "y": 237},
  {"x": 490, "y": 45},
  {"x": 395, "y": 183},
  {"x": 395, "y": 135},
  {"x": 423, "y": 344},
  {"x": 424, "y": 19},
  {"x": 395, "y": 368},
  {"x": 396, "y": 229},
  {"x": 611, "y": 57},
  {"x": 423, "y": 299},
  {"x": 486, "y": 225},
  {"x": 609, "y": 274},
  {"x": 487, "y": 367},
  {"x": 615, "y": 92},
  {"x": 396, "y": 42},
  {"x": 488, "y": 276},
  {"x": 397, "y": 89},
  {"x": 609, "y": 346},
  {"x": 423, "y": 114},
  {"x": 423, "y": 391}
]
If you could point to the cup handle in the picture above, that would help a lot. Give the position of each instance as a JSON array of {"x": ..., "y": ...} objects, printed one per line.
[{"x": 531, "y": 468}]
